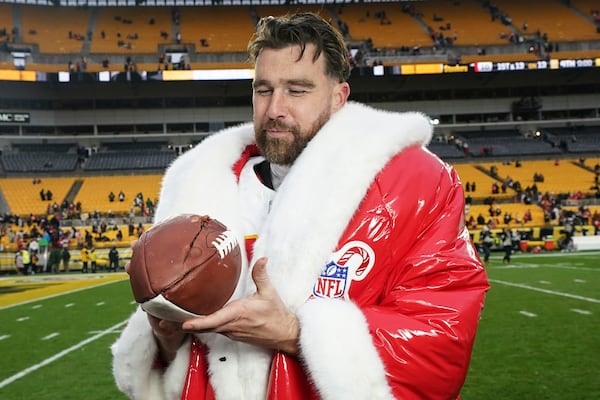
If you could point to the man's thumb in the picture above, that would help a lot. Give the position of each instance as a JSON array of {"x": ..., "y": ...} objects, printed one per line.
[{"x": 259, "y": 273}]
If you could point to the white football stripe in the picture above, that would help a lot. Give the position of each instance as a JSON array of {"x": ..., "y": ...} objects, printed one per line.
[
  {"x": 527, "y": 313},
  {"x": 50, "y": 336}
]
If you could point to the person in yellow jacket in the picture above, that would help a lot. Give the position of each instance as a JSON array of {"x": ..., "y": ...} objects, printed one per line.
[
  {"x": 26, "y": 262},
  {"x": 85, "y": 258},
  {"x": 93, "y": 259}
]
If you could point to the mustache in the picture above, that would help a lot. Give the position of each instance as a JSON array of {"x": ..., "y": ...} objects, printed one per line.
[{"x": 278, "y": 125}]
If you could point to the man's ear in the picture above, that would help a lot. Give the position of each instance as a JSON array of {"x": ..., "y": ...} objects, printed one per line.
[{"x": 340, "y": 95}]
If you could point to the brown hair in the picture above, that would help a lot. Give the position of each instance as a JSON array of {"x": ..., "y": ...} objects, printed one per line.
[{"x": 302, "y": 29}]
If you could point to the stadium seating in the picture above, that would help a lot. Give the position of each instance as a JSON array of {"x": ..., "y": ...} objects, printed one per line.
[
  {"x": 577, "y": 139},
  {"x": 129, "y": 160},
  {"x": 483, "y": 182},
  {"x": 49, "y": 27},
  {"x": 446, "y": 151},
  {"x": 94, "y": 192},
  {"x": 396, "y": 30},
  {"x": 6, "y": 18},
  {"x": 551, "y": 17},
  {"x": 469, "y": 21},
  {"x": 38, "y": 162},
  {"x": 566, "y": 177},
  {"x": 23, "y": 196},
  {"x": 131, "y": 25},
  {"x": 112, "y": 33},
  {"x": 215, "y": 25}
]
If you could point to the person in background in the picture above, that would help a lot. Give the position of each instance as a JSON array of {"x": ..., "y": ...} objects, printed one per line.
[
  {"x": 507, "y": 245},
  {"x": 93, "y": 259},
  {"x": 360, "y": 278},
  {"x": 19, "y": 263},
  {"x": 28, "y": 267},
  {"x": 85, "y": 259},
  {"x": 113, "y": 259},
  {"x": 66, "y": 257}
]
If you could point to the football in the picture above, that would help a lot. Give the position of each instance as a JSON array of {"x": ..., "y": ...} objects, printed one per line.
[{"x": 184, "y": 266}]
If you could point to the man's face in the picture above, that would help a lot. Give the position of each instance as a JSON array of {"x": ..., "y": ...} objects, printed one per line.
[{"x": 292, "y": 100}]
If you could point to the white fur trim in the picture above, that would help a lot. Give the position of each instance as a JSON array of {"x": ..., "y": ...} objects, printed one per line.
[
  {"x": 172, "y": 376},
  {"x": 338, "y": 351},
  {"x": 133, "y": 358}
]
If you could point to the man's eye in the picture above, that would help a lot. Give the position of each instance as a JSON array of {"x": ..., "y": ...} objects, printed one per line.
[
  {"x": 297, "y": 92},
  {"x": 263, "y": 92}
]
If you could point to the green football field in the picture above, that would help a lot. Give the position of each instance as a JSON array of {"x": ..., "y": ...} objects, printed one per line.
[{"x": 538, "y": 336}]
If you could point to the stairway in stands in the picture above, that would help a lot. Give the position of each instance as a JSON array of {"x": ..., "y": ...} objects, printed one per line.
[{"x": 70, "y": 197}]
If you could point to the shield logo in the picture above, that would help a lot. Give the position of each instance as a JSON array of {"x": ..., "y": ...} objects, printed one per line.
[{"x": 332, "y": 281}]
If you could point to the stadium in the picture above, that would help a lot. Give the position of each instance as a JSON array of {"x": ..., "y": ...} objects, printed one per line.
[{"x": 98, "y": 97}]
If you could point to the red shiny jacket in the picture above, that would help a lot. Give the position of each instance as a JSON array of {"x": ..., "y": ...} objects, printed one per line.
[{"x": 416, "y": 277}]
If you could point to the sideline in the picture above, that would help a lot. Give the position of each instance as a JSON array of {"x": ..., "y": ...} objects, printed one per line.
[
  {"x": 61, "y": 354},
  {"x": 522, "y": 286},
  {"x": 49, "y": 286}
]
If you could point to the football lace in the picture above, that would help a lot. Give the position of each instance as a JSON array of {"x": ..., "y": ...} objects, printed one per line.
[{"x": 225, "y": 243}]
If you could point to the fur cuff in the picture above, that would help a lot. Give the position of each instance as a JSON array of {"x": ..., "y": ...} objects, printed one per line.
[
  {"x": 339, "y": 353},
  {"x": 134, "y": 353}
]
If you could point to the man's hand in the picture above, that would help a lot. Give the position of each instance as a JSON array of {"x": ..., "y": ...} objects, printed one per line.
[
  {"x": 169, "y": 337},
  {"x": 261, "y": 319}
]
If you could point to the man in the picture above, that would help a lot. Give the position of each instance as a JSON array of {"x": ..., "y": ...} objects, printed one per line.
[
  {"x": 362, "y": 283},
  {"x": 113, "y": 259}
]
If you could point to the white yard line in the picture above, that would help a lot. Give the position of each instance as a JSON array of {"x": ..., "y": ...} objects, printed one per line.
[
  {"x": 527, "y": 313},
  {"x": 59, "y": 355},
  {"x": 583, "y": 312},
  {"x": 50, "y": 336},
  {"x": 553, "y": 292}
]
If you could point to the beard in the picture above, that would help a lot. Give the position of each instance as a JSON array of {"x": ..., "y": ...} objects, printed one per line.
[{"x": 284, "y": 151}]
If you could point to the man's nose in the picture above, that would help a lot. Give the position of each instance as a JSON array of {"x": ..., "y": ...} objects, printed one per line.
[{"x": 277, "y": 106}]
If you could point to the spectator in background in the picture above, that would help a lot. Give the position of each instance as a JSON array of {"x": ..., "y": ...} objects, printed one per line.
[
  {"x": 507, "y": 245},
  {"x": 113, "y": 259},
  {"x": 26, "y": 258},
  {"x": 93, "y": 259},
  {"x": 19, "y": 263},
  {"x": 66, "y": 257},
  {"x": 54, "y": 259},
  {"x": 487, "y": 241},
  {"x": 85, "y": 259}
]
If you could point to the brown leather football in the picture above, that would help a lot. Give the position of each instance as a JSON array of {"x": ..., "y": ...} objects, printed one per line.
[{"x": 184, "y": 266}]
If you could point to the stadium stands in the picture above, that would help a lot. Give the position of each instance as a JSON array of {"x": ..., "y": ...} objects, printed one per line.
[
  {"x": 468, "y": 20},
  {"x": 61, "y": 30},
  {"x": 214, "y": 25},
  {"x": 23, "y": 196},
  {"x": 131, "y": 30},
  {"x": 94, "y": 192},
  {"x": 385, "y": 24},
  {"x": 553, "y": 18},
  {"x": 6, "y": 19},
  {"x": 114, "y": 33},
  {"x": 129, "y": 160},
  {"x": 562, "y": 177},
  {"x": 38, "y": 162}
]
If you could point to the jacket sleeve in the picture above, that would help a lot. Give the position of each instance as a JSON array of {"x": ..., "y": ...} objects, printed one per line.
[
  {"x": 415, "y": 340},
  {"x": 424, "y": 326},
  {"x": 134, "y": 371}
]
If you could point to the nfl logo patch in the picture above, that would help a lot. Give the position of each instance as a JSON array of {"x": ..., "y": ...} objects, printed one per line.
[{"x": 332, "y": 281}]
